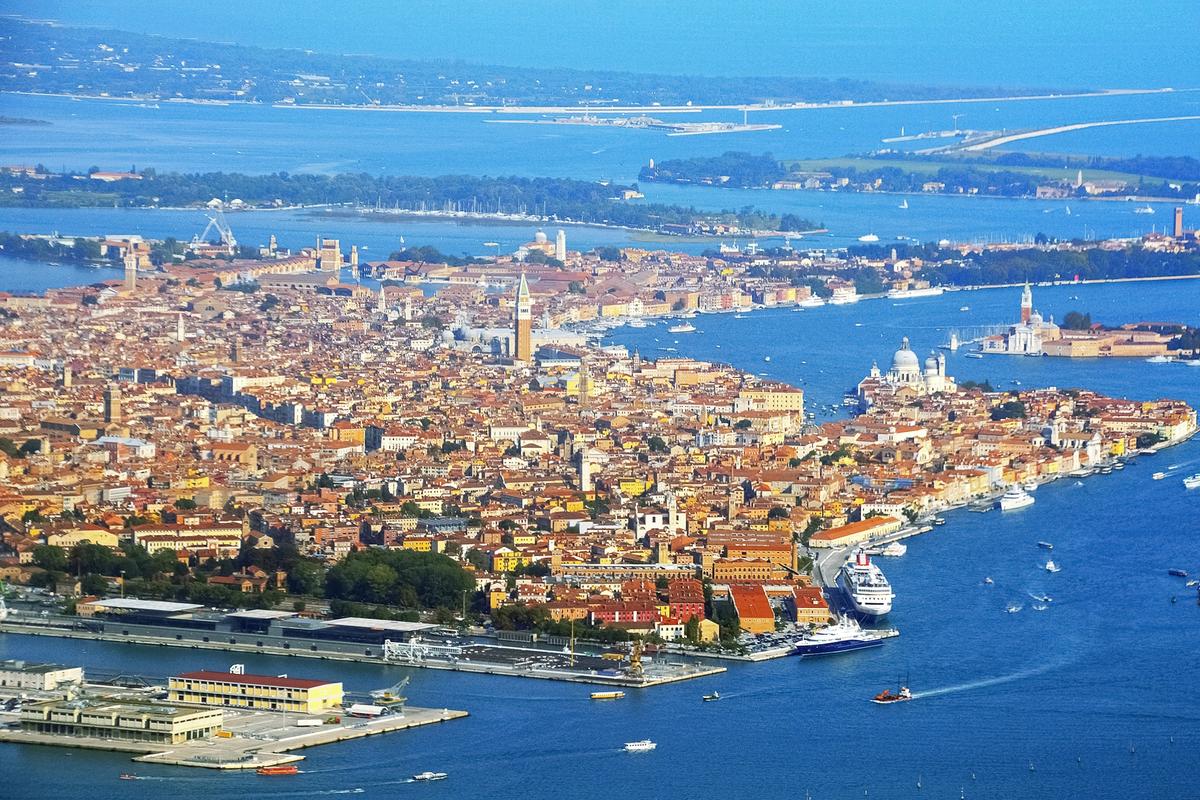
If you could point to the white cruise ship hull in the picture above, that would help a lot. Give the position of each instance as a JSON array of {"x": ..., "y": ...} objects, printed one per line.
[{"x": 866, "y": 603}]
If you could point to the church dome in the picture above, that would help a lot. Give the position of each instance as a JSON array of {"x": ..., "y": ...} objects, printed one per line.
[
  {"x": 540, "y": 237},
  {"x": 931, "y": 363},
  {"x": 905, "y": 359}
]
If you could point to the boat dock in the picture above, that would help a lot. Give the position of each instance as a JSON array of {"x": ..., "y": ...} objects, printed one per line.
[{"x": 489, "y": 659}]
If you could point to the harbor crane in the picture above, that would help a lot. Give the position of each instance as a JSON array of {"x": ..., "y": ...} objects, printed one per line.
[{"x": 391, "y": 695}]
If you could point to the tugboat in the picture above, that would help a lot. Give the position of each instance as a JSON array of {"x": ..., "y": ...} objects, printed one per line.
[
  {"x": 886, "y": 697},
  {"x": 282, "y": 769}
]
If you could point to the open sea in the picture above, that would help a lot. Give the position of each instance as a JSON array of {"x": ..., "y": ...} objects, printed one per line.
[{"x": 1093, "y": 697}]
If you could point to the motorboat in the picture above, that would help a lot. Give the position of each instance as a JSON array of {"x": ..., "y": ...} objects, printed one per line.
[
  {"x": 1158, "y": 476},
  {"x": 1030, "y": 486},
  {"x": 642, "y": 746},
  {"x": 1045, "y": 545},
  {"x": 1052, "y": 567},
  {"x": 988, "y": 581},
  {"x": 1192, "y": 481},
  {"x": 709, "y": 698},
  {"x": 430, "y": 776}
]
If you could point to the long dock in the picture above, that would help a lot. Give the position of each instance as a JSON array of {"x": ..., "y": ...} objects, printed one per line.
[{"x": 513, "y": 662}]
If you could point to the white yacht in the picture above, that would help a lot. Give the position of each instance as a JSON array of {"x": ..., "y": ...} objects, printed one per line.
[
  {"x": 811, "y": 302},
  {"x": 1192, "y": 481},
  {"x": 1015, "y": 498},
  {"x": 1030, "y": 486},
  {"x": 866, "y": 586}
]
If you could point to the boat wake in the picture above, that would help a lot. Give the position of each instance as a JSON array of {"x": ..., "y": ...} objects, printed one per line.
[{"x": 986, "y": 682}]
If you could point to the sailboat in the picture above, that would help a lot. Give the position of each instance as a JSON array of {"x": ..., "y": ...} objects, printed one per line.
[{"x": 904, "y": 203}]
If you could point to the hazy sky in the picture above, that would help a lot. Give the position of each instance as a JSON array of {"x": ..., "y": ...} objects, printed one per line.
[{"x": 1041, "y": 42}]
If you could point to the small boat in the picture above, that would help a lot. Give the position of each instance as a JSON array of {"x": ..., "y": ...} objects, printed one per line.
[
  {"x": 988, "y": 581},
  {"x": 938, "y": 521},
  {"x": 1045, "y": 545},
  {"x": 886, "y": 697},
  {"x": 974, "y": 355},
  {"x": 903, "y": 203},
  {"x": 964, "y": 308},
  {"x": 709, "y": 698},
  {"x": 1052, "y": 567},
  {"x": 1030, "y": 486},
  {"x": 1039, "y": 607},
  {"x": 643, "y": 746},
  {"x": 430, "y": 776},
  {"x": 1178, "y": 573},
  {"x": 281, "y": 769},
  {"x": 1013, "y": 608},
  {"x": 767, "y": 359},
  {"x": 1158, "y": 476},
  {"x": 1146, "y": 209},
  {"x": 128, "y": 776},
  {"x": 1192, "y": 481},
  {"x": 607, "y": 695},
  {"x": 1042, "y": 598}
]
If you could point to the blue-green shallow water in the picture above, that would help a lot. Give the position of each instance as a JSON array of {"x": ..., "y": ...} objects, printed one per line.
[{"x": 1110, "y": 666}]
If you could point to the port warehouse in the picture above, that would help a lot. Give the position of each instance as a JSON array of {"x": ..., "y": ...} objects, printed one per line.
[
  {"x": 133, "y": 722},
  {"x": 260, "y": 692},
  {"x": 22, "y": 675},
  {"x": 255, "y": 627}
]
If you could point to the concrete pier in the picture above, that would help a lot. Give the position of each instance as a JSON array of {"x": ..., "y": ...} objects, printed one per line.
[{"x": 258, "y": 739}]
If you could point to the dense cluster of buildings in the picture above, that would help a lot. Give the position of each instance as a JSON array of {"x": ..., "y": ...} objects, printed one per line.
[{"x": 584, "y": 480}]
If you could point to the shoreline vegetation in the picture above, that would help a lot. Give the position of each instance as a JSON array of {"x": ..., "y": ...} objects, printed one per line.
[
  {"x": 137, "y": 66},
  {"x": 1048, "y": 176},
  {"x": 549, "y": 200}
]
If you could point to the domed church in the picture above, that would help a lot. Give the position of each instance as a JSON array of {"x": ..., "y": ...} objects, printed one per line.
[{"x": 908, "y": 374}]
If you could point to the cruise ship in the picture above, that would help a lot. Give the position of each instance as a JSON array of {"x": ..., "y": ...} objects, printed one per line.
[{"x": 865, "y": 585}]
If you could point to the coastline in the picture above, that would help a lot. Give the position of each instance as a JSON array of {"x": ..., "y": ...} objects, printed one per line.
[{"x": 626, "y": 109}]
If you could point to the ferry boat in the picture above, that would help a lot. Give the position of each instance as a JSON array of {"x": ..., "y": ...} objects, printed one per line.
[
  {"x": 1192, "y": 481},
  {"x": 643, "y": 746},
  {"x": 843, "y": 636},
  {"x": 281, "y": 769},
  {"x": 1015, "y": 498},
  {"x": 904, "y": 294},
  {"x": 866, "y": 586},
  {"x": 429, "y": 776},
  {"x": 1052, "y": 567},
  {"x": 686, "y": 327},
  {"x": 885, "y": 697},
  {"x": 607, "y": 695},
  {"x": 868, "y": 238}
]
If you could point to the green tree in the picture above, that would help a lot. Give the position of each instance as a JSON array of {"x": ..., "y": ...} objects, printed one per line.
[{"x": 50, "y": 557}]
